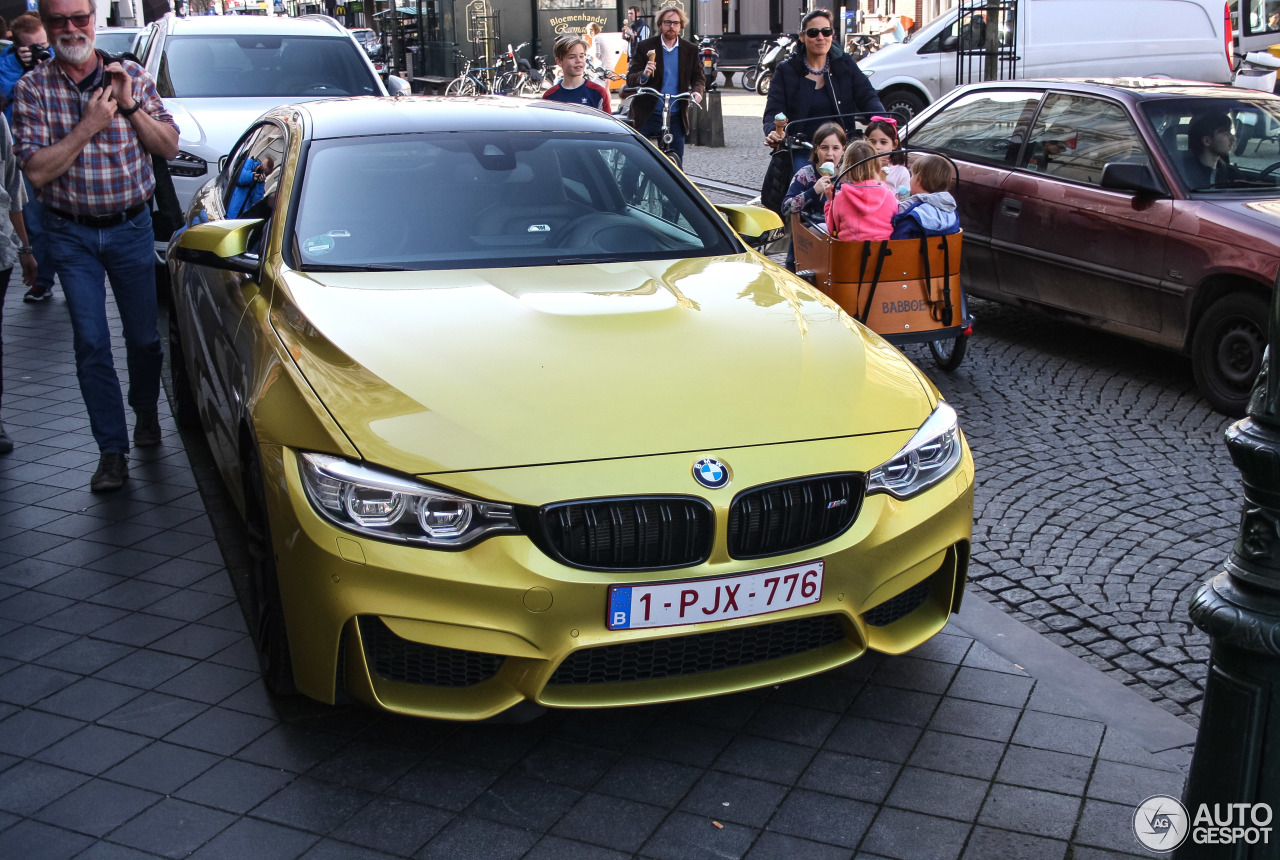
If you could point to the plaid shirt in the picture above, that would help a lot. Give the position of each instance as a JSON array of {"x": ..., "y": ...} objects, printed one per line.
[{"x": 113, "y": 171}]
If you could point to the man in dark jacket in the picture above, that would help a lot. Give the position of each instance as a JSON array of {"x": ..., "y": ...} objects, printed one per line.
[
  {"x": 818, "y": 83},
  {"x": 669, "y": 64}
]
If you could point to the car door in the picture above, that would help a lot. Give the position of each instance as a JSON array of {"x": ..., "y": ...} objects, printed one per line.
[
  {"x": 216, "y": 298},
  {"x": 1063, "y": 240},
  {"x": 982, "y": 133}
]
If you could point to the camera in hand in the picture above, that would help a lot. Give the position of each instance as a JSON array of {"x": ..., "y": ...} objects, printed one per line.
[{"x": 39, "y": 53}]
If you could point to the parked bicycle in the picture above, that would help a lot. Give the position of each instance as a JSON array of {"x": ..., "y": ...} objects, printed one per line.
[{"x": 473, "y": 80}]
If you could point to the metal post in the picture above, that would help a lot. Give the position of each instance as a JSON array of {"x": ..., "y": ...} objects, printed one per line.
[{"x": 1237, "y": 756}]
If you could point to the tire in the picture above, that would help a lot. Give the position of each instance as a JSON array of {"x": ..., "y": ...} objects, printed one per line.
[
  {"x": 461, "y": 86},
  {"x": 762, "y": 83},
  {"x": 675, "y": 159},
  {"x": 749, "y": 78},
  {"x": 947, "y": 354},
  {"x": 1226, "y": 350},
  {"x": 905, "y": 103},
  {"x": 270, "y": 636},
  {"x": 183, "y": 401}
]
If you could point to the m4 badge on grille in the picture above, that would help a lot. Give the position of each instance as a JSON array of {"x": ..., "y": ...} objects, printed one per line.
[{"x": 711, "y": 473}]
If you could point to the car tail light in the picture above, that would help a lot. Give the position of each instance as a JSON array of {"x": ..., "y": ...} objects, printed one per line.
[{"x": 1227, "y": 35}]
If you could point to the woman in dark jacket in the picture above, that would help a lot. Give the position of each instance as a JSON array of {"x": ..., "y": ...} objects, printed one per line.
[{"x": 819, "y": 81}]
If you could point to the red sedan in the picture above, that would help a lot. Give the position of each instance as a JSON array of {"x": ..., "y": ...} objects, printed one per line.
[{"x": 1145, "y": 207}]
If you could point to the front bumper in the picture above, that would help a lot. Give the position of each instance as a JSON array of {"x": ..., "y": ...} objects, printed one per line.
[{"x": 469, "y": 634}]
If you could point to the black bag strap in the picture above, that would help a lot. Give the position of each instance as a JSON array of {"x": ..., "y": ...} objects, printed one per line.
[
  {"x": 947, "y": 309},
  {"x": 875, "y": 279}
]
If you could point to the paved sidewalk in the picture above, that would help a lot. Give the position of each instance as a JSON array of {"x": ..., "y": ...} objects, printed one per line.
[{"x": 133, "y": 722}]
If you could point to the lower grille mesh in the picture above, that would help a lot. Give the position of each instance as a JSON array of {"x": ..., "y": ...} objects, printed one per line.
[
  {"x": 399, "y": 659},
  {"x": 898, "y": 607},
  {"x": 702, "y": 652}
]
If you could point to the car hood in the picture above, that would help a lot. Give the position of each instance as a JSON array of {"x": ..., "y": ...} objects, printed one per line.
[
  {"x": 476, "y": 369},
  {"x": 210, "y": 127}
]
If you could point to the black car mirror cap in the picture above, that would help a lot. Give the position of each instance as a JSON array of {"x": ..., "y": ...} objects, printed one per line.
[{"x": 1128, "y": 176}]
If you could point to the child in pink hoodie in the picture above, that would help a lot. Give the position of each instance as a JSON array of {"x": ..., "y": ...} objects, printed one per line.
[{"x": 864, "y": 206}]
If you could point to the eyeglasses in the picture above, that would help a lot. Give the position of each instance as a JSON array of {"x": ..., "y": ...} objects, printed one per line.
[
  {"x": 815, "y": 32},
  {"x": 669, "y": 22},
  {"x": 59, "y": 22}
]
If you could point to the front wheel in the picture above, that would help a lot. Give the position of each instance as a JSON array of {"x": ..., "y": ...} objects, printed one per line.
[
  {"x": 461, "y": 86},
  {"x": 904, "y": 103},
  {"x": 947, "y": 354},
  {"x": 1227, "y": 348},
  {"x": 268, "y": 626},
  {"x": 183, "y": 405},
  {"x": 763, "y": 79},
  {"x": 749, "y": 78}
]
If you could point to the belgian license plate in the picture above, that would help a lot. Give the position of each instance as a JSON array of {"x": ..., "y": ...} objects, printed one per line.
[{"x": 668, "y": 604}]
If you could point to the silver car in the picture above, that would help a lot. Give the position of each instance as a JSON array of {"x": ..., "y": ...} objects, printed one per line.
[{"x": 219, "y": 73}]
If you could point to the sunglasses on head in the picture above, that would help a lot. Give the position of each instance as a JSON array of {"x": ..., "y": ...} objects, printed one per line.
[
  {"x": 815, "y": 32},
  {"x": 58, "y": 22}
]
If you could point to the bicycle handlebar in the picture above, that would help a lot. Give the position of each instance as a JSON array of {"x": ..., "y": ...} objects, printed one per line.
[{"x": 667, "y": 98}]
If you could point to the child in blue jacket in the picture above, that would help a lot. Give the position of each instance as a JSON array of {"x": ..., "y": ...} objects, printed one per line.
[{"x": 930, "y": 210}]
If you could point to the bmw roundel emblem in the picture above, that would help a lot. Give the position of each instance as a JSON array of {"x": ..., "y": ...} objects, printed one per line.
[{"x": 711, "y": 473}]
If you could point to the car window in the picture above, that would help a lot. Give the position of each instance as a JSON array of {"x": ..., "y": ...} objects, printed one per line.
[
  {"x": 1263, "y": 17},
  {"x": 988, "y": 125},
  {"x": 1075, "y": 135},
  {"x": 248, "y": 184},
  {"x": 1242, "y": 132},
  {"x": 114, "y": 41},
  {"x": 495, "y": 199},
  {"x": 246, "y": 66}
]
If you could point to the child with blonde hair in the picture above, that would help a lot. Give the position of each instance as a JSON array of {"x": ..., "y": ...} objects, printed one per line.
[{"x": 863, "y": 207}]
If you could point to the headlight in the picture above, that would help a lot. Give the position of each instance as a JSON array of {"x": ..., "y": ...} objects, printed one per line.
[
  {"x": 393, "y": 508},
  {"x": 186, "y": 164},
  {"x": 930, "y": 455}
]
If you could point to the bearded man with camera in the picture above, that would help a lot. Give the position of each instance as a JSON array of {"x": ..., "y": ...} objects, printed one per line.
[
  {"x": 30, "y": 48},
  {"x": 86, "y": 127}
]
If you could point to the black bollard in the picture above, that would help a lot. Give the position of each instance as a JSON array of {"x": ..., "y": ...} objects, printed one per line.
[{"x": 1237, "y": 756}]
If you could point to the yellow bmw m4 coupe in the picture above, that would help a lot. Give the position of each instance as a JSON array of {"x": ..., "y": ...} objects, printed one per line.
[{"x": 513, "y": 414}]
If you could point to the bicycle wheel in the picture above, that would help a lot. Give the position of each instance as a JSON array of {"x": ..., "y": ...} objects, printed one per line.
[
  {"x": 461, "y": 86},
  {"x": 749, "y": 78},
  {"x": 675, "y": 158},
  {"x": 505, "y": 84},
  {"x": 948, "y": 354}
]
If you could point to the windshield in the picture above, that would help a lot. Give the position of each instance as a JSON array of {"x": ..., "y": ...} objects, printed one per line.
[
  {"x": 252, "y": 66},
  {"x": 495, "y": 199},
  {"x": 114, "y": 41},
  {"x": 1219, "y": 145}
]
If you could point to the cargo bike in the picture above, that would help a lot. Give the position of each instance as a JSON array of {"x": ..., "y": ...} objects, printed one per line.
[{"x": 905, "y": 290}]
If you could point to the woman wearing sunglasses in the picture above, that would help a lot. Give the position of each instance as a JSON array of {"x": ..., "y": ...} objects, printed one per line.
[{"x": 820, "y": 81}]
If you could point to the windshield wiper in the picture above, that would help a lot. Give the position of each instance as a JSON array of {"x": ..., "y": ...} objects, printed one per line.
[{"x": 349, "y": 267}]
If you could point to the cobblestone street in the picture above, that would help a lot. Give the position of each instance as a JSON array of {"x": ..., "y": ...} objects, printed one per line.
[{"x": 1105, "y": 495}]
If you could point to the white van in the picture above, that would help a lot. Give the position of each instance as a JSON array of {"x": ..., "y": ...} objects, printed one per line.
[{"x": 1065, "y": 39}]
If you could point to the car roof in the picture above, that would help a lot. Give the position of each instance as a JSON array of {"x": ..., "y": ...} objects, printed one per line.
[
  {"x": 351, "y": 117},
  {"x": 307, "y": 25},
  {"x": 1137, "y": 89}
]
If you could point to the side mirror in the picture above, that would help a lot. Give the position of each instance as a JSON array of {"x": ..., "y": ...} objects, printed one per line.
[
  {"x": 749, "y": 222},
  {"x": 1138, "y": 178},
  {"x": 219, "y": 245},
  {"x": 950, "y": 43},
  {"x": 398, "y": 86}
]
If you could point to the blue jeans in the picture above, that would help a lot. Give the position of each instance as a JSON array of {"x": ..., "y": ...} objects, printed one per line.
[
  {"x": 652, "y": 129},
  {"x": 33, "y": 217},
  {"x": 86, "y": 256}
]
